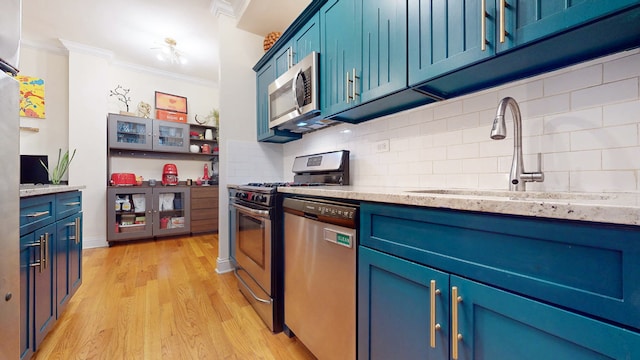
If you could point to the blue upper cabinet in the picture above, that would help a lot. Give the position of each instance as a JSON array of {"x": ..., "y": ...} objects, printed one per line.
[
  {"x": 306, "y": 40},
  {"x": 384, "y": 48},
  {"x": 446, "y": 35},
  {"x": 339, "y": 55},
  {"x": 364, "y": 59},
  {"x": 450, "y": 41}
]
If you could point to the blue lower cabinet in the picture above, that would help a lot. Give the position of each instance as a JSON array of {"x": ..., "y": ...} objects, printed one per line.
[
  {"x": 394, "y": 308},
  {"x": 50, "y": 263},
  {"x": 411, "y": 311}
]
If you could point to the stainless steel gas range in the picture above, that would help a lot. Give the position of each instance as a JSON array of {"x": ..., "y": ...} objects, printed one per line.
[{"x": 256, "y": 219}]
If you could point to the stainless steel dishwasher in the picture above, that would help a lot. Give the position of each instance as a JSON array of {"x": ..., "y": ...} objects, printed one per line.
[{"x": 320, "y": 245}]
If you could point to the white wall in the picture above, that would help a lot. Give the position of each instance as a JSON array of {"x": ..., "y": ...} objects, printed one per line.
[
  {"x": 50, "y": 65},
  {"x": 242, "y": 158},
  {"x": 585, "y": 120}
]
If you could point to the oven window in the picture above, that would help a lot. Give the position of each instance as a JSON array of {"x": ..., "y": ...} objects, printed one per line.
[{"x": 251, "y": 238}]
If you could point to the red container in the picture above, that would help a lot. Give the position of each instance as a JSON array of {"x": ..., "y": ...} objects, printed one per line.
[{"x": 123, "y": 179}]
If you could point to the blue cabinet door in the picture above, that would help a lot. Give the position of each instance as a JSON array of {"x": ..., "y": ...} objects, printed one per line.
[
  {"x": 384, "y": 48},
  {"x": 395, "y": 309},
  {"x": 27, "y": 272},
  {"x": 340, "y": 50},
  {"x": 44, "y": 290},
  {"x": 283, "y": 60},
  {"x": 446, "y": 35},
  {"x": 526, "y": 21},
  {"x": 68, "y": 259},
  {"x": 494, "y": 324},
  {"x": 307, "y": 39}
]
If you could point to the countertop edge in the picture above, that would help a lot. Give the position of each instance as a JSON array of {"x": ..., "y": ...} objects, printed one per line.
[
  {"x": 625, "y": 210},
  {"x": 36, "y": 190}
]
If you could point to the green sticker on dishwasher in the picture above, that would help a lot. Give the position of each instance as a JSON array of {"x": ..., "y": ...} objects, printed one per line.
[{"x": 343, "y": 239}]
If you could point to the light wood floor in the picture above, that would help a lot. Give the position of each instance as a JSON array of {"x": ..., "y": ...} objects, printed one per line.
[{"x": 162, "y": 300}]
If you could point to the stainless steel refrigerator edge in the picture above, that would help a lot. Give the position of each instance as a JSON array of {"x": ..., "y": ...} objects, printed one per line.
[{"x": 9, "y": 218}]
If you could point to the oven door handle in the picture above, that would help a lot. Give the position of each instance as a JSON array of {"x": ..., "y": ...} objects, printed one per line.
[
  {"x": 256, "y": 212},
  {"x": 246, "y": 286}
]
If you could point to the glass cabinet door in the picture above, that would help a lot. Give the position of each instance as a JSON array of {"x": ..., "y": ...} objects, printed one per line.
[
  {"x": 132, "y": 214},
  {"x": 129, "y": 132},
  {"x": 171, "y": 210},
  {"x": 170, "y": 136}
]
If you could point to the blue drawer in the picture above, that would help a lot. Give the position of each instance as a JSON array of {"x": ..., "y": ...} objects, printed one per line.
[
  {"x": 589, "y": 267},
  {"x": 36, "y": 212},
  {"x": 68, "y": 203}
]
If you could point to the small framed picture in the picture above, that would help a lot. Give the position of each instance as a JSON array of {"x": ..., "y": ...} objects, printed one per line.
[{"x": 171, "y": 102}]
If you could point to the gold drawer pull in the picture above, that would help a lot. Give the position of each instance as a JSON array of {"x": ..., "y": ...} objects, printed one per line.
[
  {"x": 455, "y": 336},
  {"x": 432, "y": 321}
]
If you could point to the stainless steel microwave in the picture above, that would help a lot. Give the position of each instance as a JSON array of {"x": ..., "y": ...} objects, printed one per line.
[{"x": 294, "y": 103}]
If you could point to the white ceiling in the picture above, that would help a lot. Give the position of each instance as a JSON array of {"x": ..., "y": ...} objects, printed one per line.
[{"x": 130, "y": 28}]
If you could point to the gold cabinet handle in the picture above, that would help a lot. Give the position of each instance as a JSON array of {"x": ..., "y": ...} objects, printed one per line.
[
  {"x": 38, "y": 214},
  {"x": 503, "y": 32},
  {"x": 455, "y": 336},
  {"x": 483, "y": 26},
  {"x": 432, "y": 320}
]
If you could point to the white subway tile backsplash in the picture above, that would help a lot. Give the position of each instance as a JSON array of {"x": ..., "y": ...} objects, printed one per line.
[
  {"x": 624, "y": 90},
  {"x": 433, "y": 153},
  {"x": 464, "y": 151},
  {"x": 448, "y": 138},
  {"x": 433, "y": 127},
  {"x": 479, "y": 165},
  {"x": 624, "y": 113},
  {"x": 584, "y": 120},
  {"x": 522, "y": 91},
  {"x": 603, "y": 181},
  {"x": 447, "y": 109},
  {"x": 447, "y": 167},
  {"x": 623, "y": 68},
  {"x": 573, "y": 121},
  {"x": 620, "y": 159},
  {"x": 572, "y": 161},
  {"x": 605, "y": 138},
  {"x": 465, "y": 121},
  {"x": 483, "y": 101},
  {"x": 574, "y": 80},
  {"x": 545, "y": 106}
]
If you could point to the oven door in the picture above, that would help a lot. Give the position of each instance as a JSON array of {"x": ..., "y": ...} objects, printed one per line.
[{"x": 253, "y": 259}]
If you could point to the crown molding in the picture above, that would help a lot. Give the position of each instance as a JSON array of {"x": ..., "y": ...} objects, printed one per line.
[
  {"x": 86, "y": 49},
  {"x": 231, "y": 8}
]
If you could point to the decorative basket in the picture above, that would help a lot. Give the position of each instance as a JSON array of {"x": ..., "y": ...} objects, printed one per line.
[{"x": 270, "y": 39}]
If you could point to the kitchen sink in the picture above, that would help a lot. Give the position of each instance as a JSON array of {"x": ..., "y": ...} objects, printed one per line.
[{"x": 516, "y": 195}]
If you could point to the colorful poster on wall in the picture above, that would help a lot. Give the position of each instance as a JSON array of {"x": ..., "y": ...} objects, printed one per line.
[{"x": 31, "y": 96}]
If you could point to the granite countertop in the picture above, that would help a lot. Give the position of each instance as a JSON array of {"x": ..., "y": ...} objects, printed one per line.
[
  {"x": 617, "y": 208},
  {"x": 35, "y": 190}
]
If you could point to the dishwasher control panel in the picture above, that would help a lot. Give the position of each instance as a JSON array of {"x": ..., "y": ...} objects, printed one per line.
[{"x": 324, "y": 210}]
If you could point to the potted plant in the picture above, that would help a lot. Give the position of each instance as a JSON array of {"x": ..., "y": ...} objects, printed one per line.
[{"x": 61, "y": 168}]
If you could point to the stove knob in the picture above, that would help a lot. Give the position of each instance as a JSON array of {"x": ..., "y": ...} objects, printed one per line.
[
  {"x": 243, "y": 195},
  {"x": 261, "y": 198}
]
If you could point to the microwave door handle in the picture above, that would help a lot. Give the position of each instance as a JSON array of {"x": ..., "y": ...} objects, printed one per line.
[{"x": 294, "y": 90}]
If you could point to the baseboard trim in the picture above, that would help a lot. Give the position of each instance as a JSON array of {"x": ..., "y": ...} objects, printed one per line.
[{"x": 224, "y": 266}]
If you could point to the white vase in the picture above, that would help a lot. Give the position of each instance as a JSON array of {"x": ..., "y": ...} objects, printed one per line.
[{"x": 208, "y": 134}]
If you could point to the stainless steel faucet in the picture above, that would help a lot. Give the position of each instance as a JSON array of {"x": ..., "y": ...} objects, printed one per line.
[{"x": 517, "y": 177}]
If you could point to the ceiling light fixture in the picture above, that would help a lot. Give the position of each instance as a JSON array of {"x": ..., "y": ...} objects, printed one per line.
[{"x": 169, "y": 53}]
